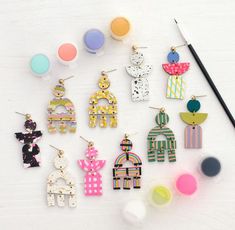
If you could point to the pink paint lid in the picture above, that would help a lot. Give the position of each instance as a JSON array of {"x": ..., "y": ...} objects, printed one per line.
[
  {"x": 67, "y": 52},
  {"x": 186, "y": 184}
]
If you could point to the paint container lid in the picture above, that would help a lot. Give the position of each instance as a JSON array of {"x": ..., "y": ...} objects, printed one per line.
[
  {"x": 120, "y": 28},
  {"x": 67, "y": 53},
  {"x": 160, "y": 196},
  {"x": 40, "y": 64},
  {"x": 210, "y": 166},
  {"x": 186, "y": 184},
  {"x": 94, "y": 40}
]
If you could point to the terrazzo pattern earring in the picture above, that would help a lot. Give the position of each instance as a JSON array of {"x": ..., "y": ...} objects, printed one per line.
[
  {"x": 139, "y": 72},
  {"x": 131, "y": 176},
  {"x": 157, "y": 148},
  {"x": 30, "y": 150},
  {"x": 193, "y": 132},
  {"x": 57, "y": 191},
  {"x": 92, "y": 179},
  {"x": 176, "y": 84},
  {"x": 100, "y": 113},
  {"x": 65, "y": 121}
]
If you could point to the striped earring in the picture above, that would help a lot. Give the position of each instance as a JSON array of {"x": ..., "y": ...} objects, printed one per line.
[
  {"x": 193, "y": 132},
  {"x": 157, "y": 148},
  {"x": 129, "y": 175},
  {"x": 176, "y": 84}
]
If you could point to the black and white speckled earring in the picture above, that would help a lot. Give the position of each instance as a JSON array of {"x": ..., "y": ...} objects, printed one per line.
[{"x": 140, "y": 72}]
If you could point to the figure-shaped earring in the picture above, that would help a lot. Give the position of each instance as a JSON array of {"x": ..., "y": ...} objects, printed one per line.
[
  {"x": 31, "y": 157},
  {"x": 140, "y": 72},
  {"x": 57, "y": 190},
  {"x": 65, "y": 120},
  {"x": 193, "y": 132},
  {"x": 93, "y": 179},
  {"x": 156, "y": 149},
  {"x": 176, "y": 84},
  {"x": 131, "y": 176},
  {"x": 100, "y": 113}
]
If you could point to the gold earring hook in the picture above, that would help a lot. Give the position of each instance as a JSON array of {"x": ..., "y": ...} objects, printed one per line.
[
  {"x": 60, "y": 152},
  {"x": 61, "y": 81},
  {"x": 90, "y": 143},
  {"x": 162, "y": 109},
  {"x": 130, "y": 134},
  {"x": 108, "y": 71},
  {"x": 135, "y": 47},
  {"x": 27, "y": 116},
  {"x": 195, "y": 96},
  {"x": 173, "y": 48}
]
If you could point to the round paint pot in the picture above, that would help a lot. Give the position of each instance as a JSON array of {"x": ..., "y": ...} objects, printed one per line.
[
  {"x": 210, "y": 166},
  {"x": 94, "y": 40},
  {"x": 40, "y": 65},
  {"x": 67, "y": 53},
  {"x": 186, "y": 184},
  {"x": 120, "y": 28},
  {"x": 160, "y": 196}
]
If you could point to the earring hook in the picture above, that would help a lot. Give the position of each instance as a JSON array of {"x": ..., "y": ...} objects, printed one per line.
[
  {"x": 173, "y": 48},
  {"x": 61, "y": 152},
  {"x": 131, "y": 134},
  {"x": 195, "y": 96},
  {"x": 90, "y": 143},
  {"x": 27, "y": 116},
  {"x": 108, "y": 71},
  {"x": 162, "y": 109},
  {"x": 61, "y": 81},
  {"x": 135, "y": 47}
]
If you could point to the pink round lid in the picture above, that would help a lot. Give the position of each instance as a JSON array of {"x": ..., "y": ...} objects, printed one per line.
[
  {"x": 186, "y": 184},
  {"x": 67, "y": 52}
]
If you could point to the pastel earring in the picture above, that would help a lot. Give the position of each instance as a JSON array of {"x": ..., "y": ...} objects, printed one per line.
[
  {"x": 30, "y": 150},
  {"x": 139, "y": 72},
  {"x": 65, "y": 121},
  {"x": 193, "y": 132},
  {"x": 176, "y": 83},
  {"x": 103, "y": 114}
]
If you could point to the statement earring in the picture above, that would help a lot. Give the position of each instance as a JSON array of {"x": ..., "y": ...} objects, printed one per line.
[
  {"x": 30, "y": 150},
  {"x": 131, "y": 176},
  {"x": 92, "y": 179},
  {"x": 156, "y": 149},
  {"x": 66, "y": 121},
  {"x": 176, "y": 84},
  {"x": 56, "y": 190},
  {"x": 193, "y": 132},
  {"x": 99, "y": 113},
  {"x": 140, "y": 72}
]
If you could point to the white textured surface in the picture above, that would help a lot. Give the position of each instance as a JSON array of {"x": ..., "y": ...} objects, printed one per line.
[{"x": 34, "y": 26}]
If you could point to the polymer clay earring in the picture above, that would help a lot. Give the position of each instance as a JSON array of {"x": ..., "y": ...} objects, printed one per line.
[
  {"x": 176, "y": 84},
  {"x": 30, "y": 150},
  {"x": 65, "y": 121},
  {"x": 57, "y": 191},
  {"x": 139, "y": 72},
  {"x": 92, "y": 179},
  {"x": 131, "y": 176},
  {"x": 157, "y": 148},
  {"x": 193, "y": 132},
  {"x": 100, "y": 113}
]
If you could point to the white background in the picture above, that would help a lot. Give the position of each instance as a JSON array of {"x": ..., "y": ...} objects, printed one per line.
[{"x": 28, "y": 27}]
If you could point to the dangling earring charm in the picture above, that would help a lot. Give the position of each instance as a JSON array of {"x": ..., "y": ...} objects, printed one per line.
[
  {"x": 156, "y": 149},
  {"x": 140, "y": 72},
  {"x": 56, "y": 190},
  {"x": 193, "y": 132},
  {"x": 93, "y": 179},
  {"x": 176, "y": 84},
  {"x": 131, "y": 176},
  {"x": 31, "y": 157},
  {"x": 99, "y": 113},
  {"x": 66, "y": 121}
]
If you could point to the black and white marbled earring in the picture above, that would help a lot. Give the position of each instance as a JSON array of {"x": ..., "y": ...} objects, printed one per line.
[
  {"x": 30, "y": 150},
  {"x": 140, "y": 72}
]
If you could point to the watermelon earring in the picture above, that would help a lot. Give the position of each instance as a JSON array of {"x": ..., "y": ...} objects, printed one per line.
[
  {"x": 176, "y": 84},
  {"x": 156, "y": 149},
  {"x": 193, "y": 132}
]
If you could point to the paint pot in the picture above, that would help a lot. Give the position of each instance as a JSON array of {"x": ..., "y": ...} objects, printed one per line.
[
  {"x": 67, "y": 53},
  {"x": 186, "y": 184},
  {"x": 120, "y": 28},
  {"x": 40, "y": 65}
]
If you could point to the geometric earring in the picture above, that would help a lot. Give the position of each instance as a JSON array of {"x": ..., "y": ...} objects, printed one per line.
[
  {"x": 193, "y": 132},
  {"x": 139, "y": 72},
  {"x": 66, "y": 121},
  {"x": 176, "y": 84},
  {"x": 31, "y": 157}
]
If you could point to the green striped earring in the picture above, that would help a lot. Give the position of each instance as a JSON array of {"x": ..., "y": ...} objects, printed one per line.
[{"x": 157, "y": 148}]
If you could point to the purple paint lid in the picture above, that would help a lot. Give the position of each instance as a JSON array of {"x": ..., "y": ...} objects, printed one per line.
[{"x": 94, "y": 40}]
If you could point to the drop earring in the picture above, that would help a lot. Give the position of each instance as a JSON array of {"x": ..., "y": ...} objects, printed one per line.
[
  {"x": 176, "y": 84},
  {"x": 99, "y": 113},
  {"x": 140, "y": 72},
  {"x": 156, "y": 149},
  {"x": 56, "y": 190},
  {"x": 30, "y": 150},
  {"x": 66, "y": 121},
  {"x": 92, "y": 179},
  {"x": 193, "y": 132},
  {"x": 131, "y": 176}
]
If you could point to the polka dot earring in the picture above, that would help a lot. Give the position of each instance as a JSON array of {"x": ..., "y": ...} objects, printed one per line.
[
  {"x": 92, "y": 179},
  {"x": 139, "y": 72}
]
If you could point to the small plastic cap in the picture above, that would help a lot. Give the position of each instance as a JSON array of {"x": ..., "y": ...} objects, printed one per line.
[
  {"x": 120, "y": 27},
  {"x": 67, "y": 52},
  {"x": 40, "y": 64},
  {"x": 186, "y": 184},
  {"x": 160, "y": 195},
  {"x": 210, "y": 166}
]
